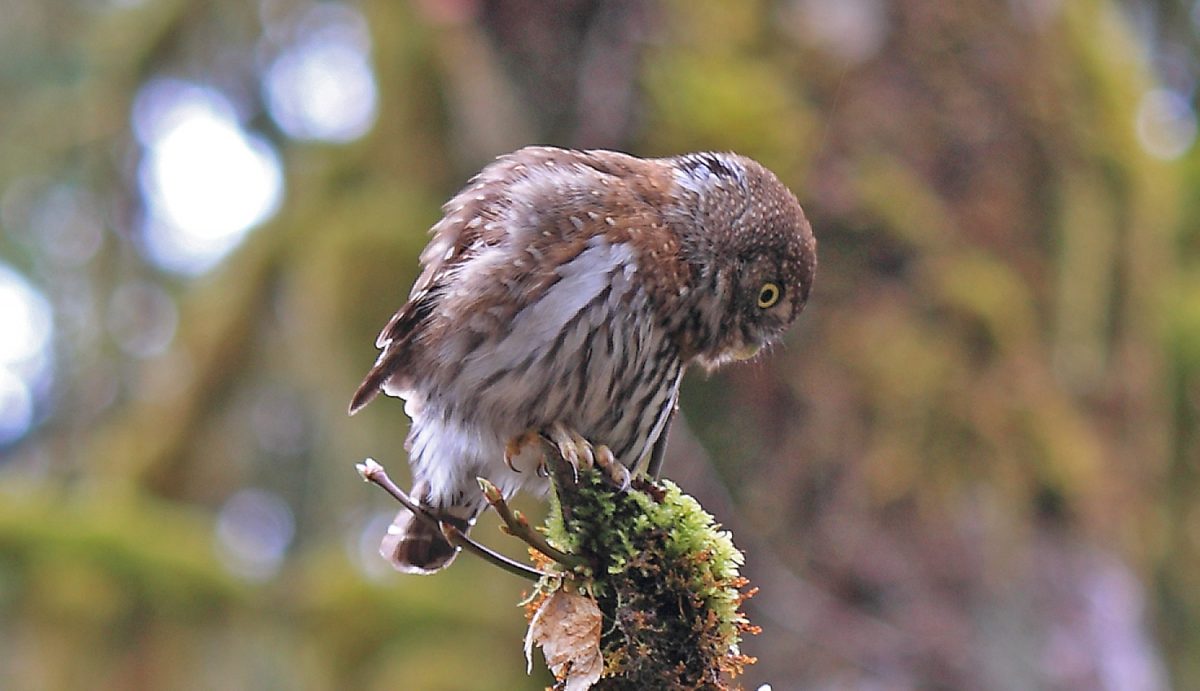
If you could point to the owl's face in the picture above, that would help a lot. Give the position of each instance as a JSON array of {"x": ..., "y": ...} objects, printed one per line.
[
  {"x": 757, "y": 250},
  {"x": 763, "y": 305},
  {"x": 768, "y": 289}
]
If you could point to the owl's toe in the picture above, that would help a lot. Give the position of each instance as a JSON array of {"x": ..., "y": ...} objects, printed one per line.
[
  {"x": 564, "y": 441},
  {"x": 579, "y": 453},
  {"x": 574, "y": 449},
  {"x": 614, "y": 470},
  {"x": 587, "y": 454}
]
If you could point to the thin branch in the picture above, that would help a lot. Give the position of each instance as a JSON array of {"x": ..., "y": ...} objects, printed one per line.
[
  {"x": 372, "y": 472},
  {"x": 519, "y": 528},
  {"x": 457, "y": 538}
]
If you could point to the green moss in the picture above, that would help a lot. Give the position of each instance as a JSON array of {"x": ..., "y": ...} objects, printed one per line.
[{"x": 665, "y": 577}]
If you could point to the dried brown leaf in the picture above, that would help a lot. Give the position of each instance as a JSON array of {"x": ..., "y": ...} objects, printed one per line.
[{"x": 567, "y": 629}]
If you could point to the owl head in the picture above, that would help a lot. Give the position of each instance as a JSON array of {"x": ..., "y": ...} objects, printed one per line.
[{"x": 752, "y": 251}]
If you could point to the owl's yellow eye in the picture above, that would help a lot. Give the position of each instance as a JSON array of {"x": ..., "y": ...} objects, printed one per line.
[{"x": 768, "y": 295}]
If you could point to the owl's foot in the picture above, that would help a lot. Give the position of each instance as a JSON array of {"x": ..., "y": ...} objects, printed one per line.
[
  {"x": 579, "y": 453},
  {"x": 518, "y": 445}
]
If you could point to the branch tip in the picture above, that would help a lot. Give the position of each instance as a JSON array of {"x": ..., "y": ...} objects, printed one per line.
[
  {"x": 368, "y": 469},
  {"x": 490, "y": 491},
  {"x": 516, "y": 525}
]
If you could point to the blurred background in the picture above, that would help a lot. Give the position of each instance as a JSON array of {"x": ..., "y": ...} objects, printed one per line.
[{"x": 973, "y": 465}]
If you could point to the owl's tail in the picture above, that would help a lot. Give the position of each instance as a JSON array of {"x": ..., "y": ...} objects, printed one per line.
[{"x": 414, "y": 546}]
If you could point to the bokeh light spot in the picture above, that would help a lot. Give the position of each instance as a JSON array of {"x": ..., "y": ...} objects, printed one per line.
[
  {"x": 1166, "y": 124},
  {"x": 205, "y": 180},
  {"x": 142, "y": 318},
  {"x": 322, "y": 86},
  {"x": 25, "y": 315},
  {"x": 851, "y": 30},
  {"x": 24, "y": 341},
  {"x": 254, "y": 531},
  {"x": 66, "y": 221},
  {"x": 16, "y": 407}
]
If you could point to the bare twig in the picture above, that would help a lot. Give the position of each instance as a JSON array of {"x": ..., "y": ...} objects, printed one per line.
[
  {"x": 457, "y": 538},
  {"x": 372, "y": 472},
  {"x": 519, "y": 527}
]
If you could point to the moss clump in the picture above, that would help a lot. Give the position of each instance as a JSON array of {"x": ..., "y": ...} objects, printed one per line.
[{"x": 664, "y": 576}]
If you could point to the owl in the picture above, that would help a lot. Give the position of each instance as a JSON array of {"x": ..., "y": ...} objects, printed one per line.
[{"x": 571, "y": 290}]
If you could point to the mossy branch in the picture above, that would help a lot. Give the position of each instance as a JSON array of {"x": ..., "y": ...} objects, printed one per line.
[
  {"x": 661, "y": 573},
  {"x": 636, "y": 587}
]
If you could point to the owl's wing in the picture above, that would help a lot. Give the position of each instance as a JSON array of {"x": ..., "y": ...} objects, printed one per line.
[
  {"x": 485, "y": 198},
  {"x": 467, "y": 223},
  {"x": 395, "y": 348}
]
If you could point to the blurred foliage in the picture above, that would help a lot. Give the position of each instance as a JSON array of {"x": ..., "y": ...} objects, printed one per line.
[{"x": 974, "y": 464}]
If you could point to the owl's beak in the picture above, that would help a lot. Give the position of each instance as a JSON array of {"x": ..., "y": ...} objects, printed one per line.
[{"x": 746, "y": 352}]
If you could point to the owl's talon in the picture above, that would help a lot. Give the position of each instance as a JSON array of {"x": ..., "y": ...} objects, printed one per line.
[
  {"x": 579, "y": 453},
  {"x": 517, "y": 446},
  {"x": 508, "y": 461},
  {"x": 587, "y": 453},
  {"x": 615, "y": 471},
  {"x": 569, "y": 445}
]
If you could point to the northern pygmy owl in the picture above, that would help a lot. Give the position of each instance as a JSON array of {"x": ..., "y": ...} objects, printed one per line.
[{"x": 574, "y": 288}]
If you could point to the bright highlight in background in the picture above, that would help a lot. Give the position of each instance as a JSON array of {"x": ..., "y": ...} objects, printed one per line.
[
  {"x": 24, "y": 338},
  {"x": 205, "y": 180},
  {"x": 322, "y": 87},
  {"x": 253, "y": 532},
  {"x": 26, "y": 319},
  {"x": 1166, "y": 124}
]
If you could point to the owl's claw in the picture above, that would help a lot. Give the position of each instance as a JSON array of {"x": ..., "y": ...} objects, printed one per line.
[
  {"x": 511, "y": 450},
  {"x": 579, "y": 453},
  {"x": 573, "y": 448},
  {"x": 517, "y": 446},
  {"x": 587, "y": 453}
]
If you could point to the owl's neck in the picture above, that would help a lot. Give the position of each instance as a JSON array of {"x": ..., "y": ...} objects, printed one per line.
[{"x": 711, "y": 198}]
